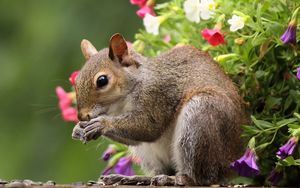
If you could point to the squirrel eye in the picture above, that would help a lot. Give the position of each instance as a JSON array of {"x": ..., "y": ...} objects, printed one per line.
[{"x": 102, "y": 81}]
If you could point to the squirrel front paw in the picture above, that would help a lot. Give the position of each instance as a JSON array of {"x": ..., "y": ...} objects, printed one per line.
[
  {"x": 77, "y": 133},
  {"x": 88, "y": 130}
]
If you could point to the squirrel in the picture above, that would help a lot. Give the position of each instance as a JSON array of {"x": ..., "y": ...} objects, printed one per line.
[{"x": 178, "y": 112}]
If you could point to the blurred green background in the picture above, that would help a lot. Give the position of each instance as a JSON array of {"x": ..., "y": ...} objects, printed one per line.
[{"x": 39, "y": 49}]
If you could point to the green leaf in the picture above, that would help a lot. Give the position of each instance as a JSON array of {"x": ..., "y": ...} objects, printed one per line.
[
  {"x": 286, "y": 121},
  {"x": 250, "y": 130},
  {"x": 161, "y": 6},
  {"x": 261, "y": 123},
  {"x": 272, "y": 102},
  {"x": 293, "y": 126},
  {"x": 115, "y": 158},
  {"x": 251, "y": 143},
  {"x": 290, "y": 161}
]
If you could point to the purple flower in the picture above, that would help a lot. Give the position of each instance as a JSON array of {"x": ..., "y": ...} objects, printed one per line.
[
  {"x": 287, "y": 149},
  {"x": 298, "y": 73},
  {"x": 107, "y": 171},
  {"x": 275, "y": 176},
  {"x": 289, "y": 36},
  {"x": 246, "y": 165},
  {"x": 108, "y": 152},
  {"x": 124, "y": 166}
]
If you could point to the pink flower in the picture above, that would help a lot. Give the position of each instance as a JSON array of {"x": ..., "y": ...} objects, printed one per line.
[
  {"x": 73, "y": 77},
  {"x": 167, "y": 38},
  {"x": 64, "y": 100},
  {"x": 140, "y": 3},
  {"x": 68, "y": 112},
  {"x": 298, "y": 73},
  {"x": 213, "y": 36},
  {"x": 129, "y": 44},
  {"x": 145, "y": 10}
]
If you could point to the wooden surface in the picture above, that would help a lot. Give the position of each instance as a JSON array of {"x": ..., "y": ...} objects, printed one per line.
[
  {"x": 106, "y": 186},
  {"x": 89, "y": 184}
]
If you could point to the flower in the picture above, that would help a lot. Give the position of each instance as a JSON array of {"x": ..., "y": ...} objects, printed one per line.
[
  {"x": 239, "y": 41},
  {"x": 298, "y": 73},
  {"x": 246, "y": 165},
  {"x": 107, "y": 171},
  {"x": 73, "y": 77},
  {"x": 289, "y": 36},
  {"x": 70, "y": 114},
  {"x": 225, "y": 57},
  {"x": 213, "y": 36},
  {"x": 145, "y": 10},
  {"x": 108, "y": 152},
  {"x": 167, "y": 38},
  {"x": 140, "y": 3},
  {"x": 288, "y": 148},
  {"x": 236, "y": 23},
  {"x": 207, "y": 8},
  {"x": 152, "y": 23},
  {"x": 65, "y": 100},
  {"x": 124, "y": 166},
  {"x": 129, "y": 44},
  {"x": 192, "y": 10},
  {"x": 275, "y": 176}
]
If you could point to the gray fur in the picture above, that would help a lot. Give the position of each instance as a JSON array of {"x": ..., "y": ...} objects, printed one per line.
[{"x": 179, "y": 111}]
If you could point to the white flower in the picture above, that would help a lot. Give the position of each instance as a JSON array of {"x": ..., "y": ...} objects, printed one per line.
[
  {"x": 151, "y": 24},
  {"x": 236, "y": 22},
  {"x": 192, "y": 10},
  {"x": 207, "y": 8}
]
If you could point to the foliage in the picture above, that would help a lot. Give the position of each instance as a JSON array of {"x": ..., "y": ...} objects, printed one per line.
[{"x": 256, "y": 55}]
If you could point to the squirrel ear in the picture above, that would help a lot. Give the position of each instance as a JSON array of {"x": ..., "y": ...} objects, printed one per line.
[
  {"x": 88, "y": 49},
  {"x": 118, "y": 47}
]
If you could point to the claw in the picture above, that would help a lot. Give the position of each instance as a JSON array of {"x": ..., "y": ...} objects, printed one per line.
[
  {"x": 92, "y": 132},
  {"x": 163, "y": 180},
  {"x": 184, "y": 180},
  {"x": 83, "y": 124},
  {"x": 110, "y": 179}
]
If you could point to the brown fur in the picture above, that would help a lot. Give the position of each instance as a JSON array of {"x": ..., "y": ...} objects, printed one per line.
[{"x": 179, "y": 111}]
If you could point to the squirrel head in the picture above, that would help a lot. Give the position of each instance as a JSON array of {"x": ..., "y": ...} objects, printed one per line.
[{"x": 105, "y": 79}]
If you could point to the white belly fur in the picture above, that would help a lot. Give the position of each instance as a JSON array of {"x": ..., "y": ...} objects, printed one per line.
[{"x": 157, "y": 154}]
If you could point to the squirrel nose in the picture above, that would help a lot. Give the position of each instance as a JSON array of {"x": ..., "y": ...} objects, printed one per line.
[{"x": 84, "y": 116}]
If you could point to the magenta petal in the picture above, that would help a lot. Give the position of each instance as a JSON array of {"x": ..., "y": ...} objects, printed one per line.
[
  {"x": 298, "y": 73},
  {"x": 287, "y": 149},
  {"x": 246, "y": 165},
  {"x": 64, "y": 100},
  {"x": 275, "y": 176},
  {"x": 140, "y": 3},
  {"x": 124, "y": 166},
  {"x": 145, "y": 10},
  {"x": 213, "y": 36},
  {"x": 289, "y": 36},
  {"x": 108, "y": 153},
  {"x": 70, "y": 114},
  {"x": 107, "y": 171}
]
